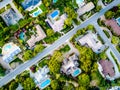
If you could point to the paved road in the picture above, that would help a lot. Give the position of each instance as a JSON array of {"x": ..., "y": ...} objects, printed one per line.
[
  {"x": 55, "y": 45},
  {"x": 104, "y": 37}
]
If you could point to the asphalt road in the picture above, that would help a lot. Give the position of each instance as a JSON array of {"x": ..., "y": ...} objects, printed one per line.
[
  {"x": 55, "y": 45},
  {"x": 104, "y": 37}
]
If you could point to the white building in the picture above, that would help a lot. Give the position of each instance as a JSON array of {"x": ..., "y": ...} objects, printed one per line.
[
  {"x": 86, "y": 8},
  {"x": 91, "y": 40},
  {"x": 70, "y": 66},
  {"x": 35, "y": 38},
  {"x": 41, "y": 78},
  {"x": 55, "y": 21}
]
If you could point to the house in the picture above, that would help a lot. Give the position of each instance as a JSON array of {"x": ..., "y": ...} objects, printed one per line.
[
  {"x": 86, "y": 8},
  {"x": 41, "y": 78},
  {"x": 115, "y": 88},
  {"x": 70, "y": 66},
  {"x": 9, "y": 51},
  {"x": 35, "y": 38},
  {"x": 106, "y": 68},
  {"x": 30, "y": 4},
  {"x": 80, "y": 3},
  {"x": 114, "y": 24},
  {"x": 10, "y": 16},
  {"x": 3, "y": 3},
  {"x": 55, "y": 21},
  {"x": 91, "y": 40}
]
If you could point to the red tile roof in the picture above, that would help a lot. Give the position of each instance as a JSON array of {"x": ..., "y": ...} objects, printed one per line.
[
  {"x": 113, "y": 24},
  {"x": 107, "y": 67}
]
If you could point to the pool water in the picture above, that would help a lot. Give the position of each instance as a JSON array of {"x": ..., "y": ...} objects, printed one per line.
[
  {"x": 79, "y": 1},
  {"x": 22, "y": 36},
  {"x": 45, "y": 83},
  {"x": 36, "y": 13},
  {"x": 8, "y": 47},
  {"x": 54, "y": 14},
  {"x": 118, "y": 20},
  {"x": 76, "y": 72},
  {"x": 54, "y": 1}
]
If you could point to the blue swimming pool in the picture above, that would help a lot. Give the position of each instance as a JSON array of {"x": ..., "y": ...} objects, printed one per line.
[
  {"x": 22, "y": 34},
  {"x": 54, "y": 14},
  {"x": 45, "y": 83},
  {"x": 54, "y": 1},
  {"x": 76, "y": 72},
  {"x": 7, "y": 47},
  {"x": 36, "y": 13},
  {"x": 79, "y": 1},
  {"x": 118, "y": 20}
]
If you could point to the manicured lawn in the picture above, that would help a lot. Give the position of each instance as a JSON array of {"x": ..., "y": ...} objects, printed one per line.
[
  {"x": 42, "y": 7},
  {"x": 106, "y": 33},
  {"x": 66, "y": 48},
  {"x": 118, "y": 65}
]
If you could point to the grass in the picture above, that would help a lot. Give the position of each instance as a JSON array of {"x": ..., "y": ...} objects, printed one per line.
[
  {"x": 66, "y": 48},
  {"x": 33, "y": 10},
  {"x": 118, "y": 65},
  {"x": 42, "y": 7},
  {"x": 106, "y": 33}
]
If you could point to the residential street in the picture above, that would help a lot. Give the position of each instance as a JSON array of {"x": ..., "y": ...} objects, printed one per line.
[
  {"x": 104, "y": 37},
  {"x": 59, "y": 42}
]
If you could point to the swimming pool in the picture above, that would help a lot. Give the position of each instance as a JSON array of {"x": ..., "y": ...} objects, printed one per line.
[
  {"x": 36, "y": 13},
  {"x": 118, "y": 20},
  {"x": 45, "y": 83},
  {"x": 7, "y": 47},
  {"x": 54, "y": 1},
  {"x": 22, "y": 36},
  {"x": 54, "y": 14},
  {"x": 79, "y": 1},
  {"x": 76, "y": 72}
]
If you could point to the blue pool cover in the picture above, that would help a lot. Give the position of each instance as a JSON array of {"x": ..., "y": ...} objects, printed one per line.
[
  {"x": 45, "y": 83},
  {"x": 76, "y": 72},
  {"x": 54, "y": 14},
  {"x": 28, "y": 3}
]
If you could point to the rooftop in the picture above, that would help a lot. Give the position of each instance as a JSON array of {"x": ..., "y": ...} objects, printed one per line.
[
  {"x": 107, "y": 67},
  {"x": 113, "y": 24},
  {"x": 41, "y": 78},
  {"x": 35, "y": 38},
  {"x": 80, "y": 3},
  {"x": 86, "y": 8},
  {"x": 70, "y": 66},
  {"x": 91, "y": 40},
  {"x": 9, "y": 50},
  {"x": 30, "y": 4},
  {"x": 55, "y": 21},
  {"x": 10, "y": 17},
  {"x": 4, "y": 3}
]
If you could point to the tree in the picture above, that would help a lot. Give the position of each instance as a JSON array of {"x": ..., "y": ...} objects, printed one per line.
[
  {"x": 81, "y": 88},
  {"x": 109, "y": 14},
  {"x": 68, "y": 22},
  {"x": 98, "y": 8},
  {"x": 49, "y": 32},
  {"x": 83, "y": 80},
  {"x": 54, "y": 62},
  {"x": 115, "y": 40},
  {"x": 27, "y": 55},
  {"x": 2, "y": 71},
  {"x": 38, "y": 48},
  {"x": 54, "y": 85}
]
